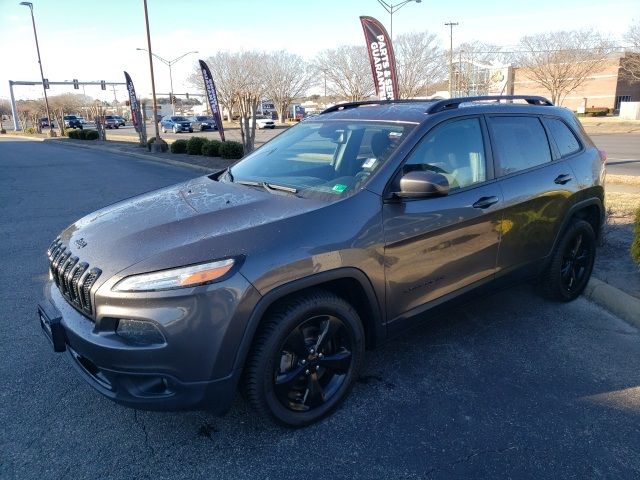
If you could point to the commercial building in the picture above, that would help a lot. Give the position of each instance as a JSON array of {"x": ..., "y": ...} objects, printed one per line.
[{"x": 606, "y": 87}]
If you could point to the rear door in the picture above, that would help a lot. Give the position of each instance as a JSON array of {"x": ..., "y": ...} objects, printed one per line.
[
  {"x": 437, "y": 246},
  {"x": 535, "y": 184}
]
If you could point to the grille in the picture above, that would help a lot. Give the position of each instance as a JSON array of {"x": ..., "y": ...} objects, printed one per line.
[{"x": 73, "y": 277}]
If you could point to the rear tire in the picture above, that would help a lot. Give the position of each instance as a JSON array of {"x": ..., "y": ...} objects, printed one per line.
[
  {"x": 304, "y": 359},
  {"x": 569, "y": 270}
]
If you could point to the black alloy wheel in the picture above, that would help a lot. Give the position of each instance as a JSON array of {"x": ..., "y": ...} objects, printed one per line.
[
  {"x": 313, "y": 363},
  {"x": 305, "y": 359},
  {"x": 575, "y": 262},
  {"x": 572, "y": 262}
]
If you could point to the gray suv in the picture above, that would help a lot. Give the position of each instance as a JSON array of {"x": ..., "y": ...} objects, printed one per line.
[{"x": 275, "y": 274}]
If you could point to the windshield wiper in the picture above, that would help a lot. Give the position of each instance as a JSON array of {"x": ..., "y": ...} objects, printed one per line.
[
  {"x": 268, "y": 186},
  {"x": 281, "y": 188}
]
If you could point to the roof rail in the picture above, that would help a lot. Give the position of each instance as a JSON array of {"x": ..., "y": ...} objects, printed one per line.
[
  {"x": 344, "y": 106},
  {"x": 450, "y": 103}
]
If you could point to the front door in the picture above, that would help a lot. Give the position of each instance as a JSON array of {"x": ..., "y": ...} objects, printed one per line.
[{"x": 437, "y": 246}]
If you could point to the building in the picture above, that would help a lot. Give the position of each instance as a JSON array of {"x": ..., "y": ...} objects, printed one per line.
[{"x": 605, "y": 88}]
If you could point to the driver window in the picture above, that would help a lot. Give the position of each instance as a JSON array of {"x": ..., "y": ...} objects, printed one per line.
[{"x": 455, "y": 149}]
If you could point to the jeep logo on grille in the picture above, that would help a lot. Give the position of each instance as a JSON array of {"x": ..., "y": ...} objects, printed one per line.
[{"x": 81, "y": 243}]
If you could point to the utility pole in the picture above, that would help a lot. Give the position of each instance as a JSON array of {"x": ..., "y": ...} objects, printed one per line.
[
  {"x": 157, "y": 147},
  {"x": 451, "y": 24},
  {"x": 44, "y": 84}
]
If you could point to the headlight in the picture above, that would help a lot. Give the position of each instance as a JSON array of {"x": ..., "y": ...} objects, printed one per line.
[{"x": 175, "y": 278}]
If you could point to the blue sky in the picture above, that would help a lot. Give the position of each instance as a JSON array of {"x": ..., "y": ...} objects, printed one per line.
[{"x": 97, "y": 39}]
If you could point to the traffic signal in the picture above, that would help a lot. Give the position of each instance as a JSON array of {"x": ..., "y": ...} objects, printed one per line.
[
  {"x": 45, "y": 82},
  {"x": 127, "y": 103},
  {"x": 187, "y": 94},
  {"x": 103, "y": 85},
  {"x": 76, "y": 85}
]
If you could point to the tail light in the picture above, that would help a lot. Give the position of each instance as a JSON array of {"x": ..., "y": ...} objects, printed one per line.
[{"x": 603, "y": 156}]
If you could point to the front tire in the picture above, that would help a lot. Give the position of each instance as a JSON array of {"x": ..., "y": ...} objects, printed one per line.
[
  {"x": 305, "y": 359},
  {"x": 568, "y": 273}
]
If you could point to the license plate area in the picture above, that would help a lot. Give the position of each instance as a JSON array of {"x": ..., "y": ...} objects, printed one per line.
[{"x": 51, "y": 324}]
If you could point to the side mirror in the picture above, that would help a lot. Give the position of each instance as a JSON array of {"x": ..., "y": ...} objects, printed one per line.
[{"x": 423, "y": 184}]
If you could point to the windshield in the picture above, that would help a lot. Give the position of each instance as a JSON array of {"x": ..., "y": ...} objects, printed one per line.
[
  {"x": 200, "y": 119},
  {"x": 179, "y": 119},
  {"x": 331, "y": 158}
]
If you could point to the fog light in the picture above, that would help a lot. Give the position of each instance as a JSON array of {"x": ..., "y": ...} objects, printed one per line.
[{"x": 139, "y": 332}]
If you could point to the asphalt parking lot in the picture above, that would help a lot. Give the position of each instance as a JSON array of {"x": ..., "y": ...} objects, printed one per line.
[{"x": 510, "y": 386}]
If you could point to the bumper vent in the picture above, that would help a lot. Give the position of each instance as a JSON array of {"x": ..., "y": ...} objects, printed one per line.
[{"x": 73, "y": 277}]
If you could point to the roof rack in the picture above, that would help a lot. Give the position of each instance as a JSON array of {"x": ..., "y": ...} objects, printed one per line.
[
  {"x": 344, "y": 106},
  {"x": 447, "y": 104},
  {"x": 450, "y": 103}
]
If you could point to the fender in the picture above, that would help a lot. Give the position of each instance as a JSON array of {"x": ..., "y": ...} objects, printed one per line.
[
  {"x": 574, "y": 208},
  {"x": 317, "y": 279}
]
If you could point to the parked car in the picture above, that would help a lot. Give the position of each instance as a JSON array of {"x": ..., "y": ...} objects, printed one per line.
[
  {"x": 82, "y": 120},
  {"x": 110, "y": 121},
  {"x": 71, "y": 121},
  {"x": 121, "y": 121},
  {"x": 263, "y": 122},
  {"x": 176, "y": 123},
  {"x": 44, "y": 123},
  {"x": 206, "y": 122},
  {"x": 277, "y": 272}
]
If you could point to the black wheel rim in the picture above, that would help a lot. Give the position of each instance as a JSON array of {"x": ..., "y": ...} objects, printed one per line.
[
  {"x": 313, "y": 363},
  {"x": 576, "y": 263}
]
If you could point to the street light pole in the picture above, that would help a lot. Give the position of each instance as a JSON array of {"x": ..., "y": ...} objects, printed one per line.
[
  {"x": 157, "y": 146},
  {"x": 44, "y": 90},
  {"x": 391, "y": 9},
  {"x": 170, "y": 63},
  {"x": 451, "y": 24}
]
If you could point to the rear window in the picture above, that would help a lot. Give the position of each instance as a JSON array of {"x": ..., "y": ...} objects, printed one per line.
[
  {"x": 519, "y": 143},
  {"x": 566, "y": 141}
]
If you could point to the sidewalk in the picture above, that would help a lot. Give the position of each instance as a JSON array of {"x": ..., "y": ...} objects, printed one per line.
[{"x": 601, "y": 125}]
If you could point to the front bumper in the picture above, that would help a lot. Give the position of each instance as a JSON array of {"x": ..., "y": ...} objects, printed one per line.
[{"x": 192, "y": 367}]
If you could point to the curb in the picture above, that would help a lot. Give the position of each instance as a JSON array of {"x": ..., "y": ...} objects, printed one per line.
[{"x": 614, "y": 300}]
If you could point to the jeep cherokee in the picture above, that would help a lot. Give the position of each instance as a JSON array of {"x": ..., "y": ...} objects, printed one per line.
[{"x": 276, "y": 273}]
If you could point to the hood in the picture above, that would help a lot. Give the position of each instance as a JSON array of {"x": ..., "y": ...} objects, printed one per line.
[{"x": 130, "y": 231}]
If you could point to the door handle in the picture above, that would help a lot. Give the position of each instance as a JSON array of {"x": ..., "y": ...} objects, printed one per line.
[
  {"x": 562, "y": 179},
  {"x": 485, "y": 202}
]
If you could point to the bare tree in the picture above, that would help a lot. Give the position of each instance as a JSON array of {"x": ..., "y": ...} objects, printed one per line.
[
  {"x": 248, "y": 69},
  {"x": 347, "y": 72},
  {"x": 221, "y": 65},
  {"x": 420, "y": 63},
  {"x": 288, "y": 77},
  {"x": 5, "y": 109},
  {"x": 65, "y": 104},
  {"x": 562, "y": 61},
  {"x": 631, "y": 62},
  {"x": 29, "y": 111}
]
